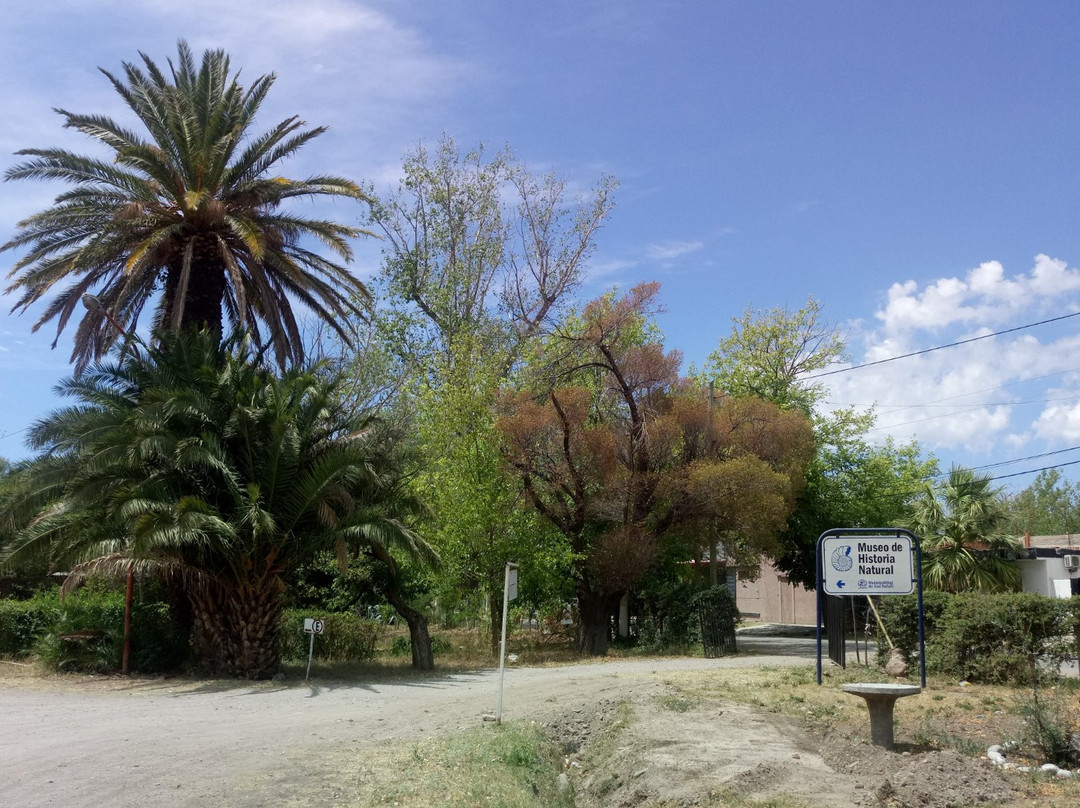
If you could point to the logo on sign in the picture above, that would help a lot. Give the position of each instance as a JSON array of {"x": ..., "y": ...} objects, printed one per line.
[{"x": 841, "y": 558}]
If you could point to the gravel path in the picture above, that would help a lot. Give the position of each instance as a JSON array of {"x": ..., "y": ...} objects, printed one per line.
[{"x": 168, "y": 742}]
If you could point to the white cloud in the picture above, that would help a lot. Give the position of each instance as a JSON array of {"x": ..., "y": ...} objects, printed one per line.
[
  {"x": 984, "y": 297},
  {"x": 670, "y": 250},
  {"x": 991, "y": 397}
]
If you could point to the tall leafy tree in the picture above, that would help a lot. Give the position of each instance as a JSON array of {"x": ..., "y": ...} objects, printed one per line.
[
  {"x": 621, "y": 454},
  {"x": 768, "y": 354},
  {"x": 961, "y": 522},
  {"x": 481, "y": 256},
  {"x": 186, "y": 213},
  {"x": 851, "y": 482},
  {"x": 194, "y": 460}
]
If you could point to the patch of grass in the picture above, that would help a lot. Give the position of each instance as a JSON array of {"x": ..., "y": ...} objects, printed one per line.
[
  {"x": 678, "y": 703},
  {"x": 510, "y": 766}
]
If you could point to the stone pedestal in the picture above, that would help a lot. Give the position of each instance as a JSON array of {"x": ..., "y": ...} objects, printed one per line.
[{"x": 880, "y": 700}]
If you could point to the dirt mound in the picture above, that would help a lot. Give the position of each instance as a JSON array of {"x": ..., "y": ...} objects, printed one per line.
[
  {"x": 942, "y": 779},
  {"x": 666, "y": 751}
]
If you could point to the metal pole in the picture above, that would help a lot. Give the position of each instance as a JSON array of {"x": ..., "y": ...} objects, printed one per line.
[
  {"x": 502, "y": 643},
  {"x": 125, "y": 665},
  {"x": 310, "y": 651},
  {"x": 922, "y": 616},
  {"x": 817, "y": 570}
]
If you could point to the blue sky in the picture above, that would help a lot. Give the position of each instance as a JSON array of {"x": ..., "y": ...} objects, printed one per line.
[{"x": 913, "y": 167}]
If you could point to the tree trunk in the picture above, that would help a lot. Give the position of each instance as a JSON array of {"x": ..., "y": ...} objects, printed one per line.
[
  {"x": 594, "y": 621},
  {"x": 205, "y": 291},
  {"x": 237, "y": 628},
  {"x": 422, "y": 657}
]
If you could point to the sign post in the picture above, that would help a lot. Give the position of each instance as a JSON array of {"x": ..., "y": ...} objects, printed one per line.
[
  {"x": 311, "y": 627},
  {"x": 870, "y": 561},
  {"x": 510, "y": 582}
]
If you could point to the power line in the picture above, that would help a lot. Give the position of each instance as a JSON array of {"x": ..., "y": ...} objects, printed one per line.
[
  {"x": 1035, "y": 471},
  {"x": 941, "y": 347},
  {"x": 1010, "y": 462}
]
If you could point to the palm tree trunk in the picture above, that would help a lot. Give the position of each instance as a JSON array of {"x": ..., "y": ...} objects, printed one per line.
[
  {"x": 237, "y": 628},
  {"x": 205, "y": 289}
]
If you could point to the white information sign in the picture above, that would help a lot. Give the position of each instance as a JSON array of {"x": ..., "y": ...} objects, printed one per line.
[
  {"x": 867, "y": 565},
  {"x": 312, "y": 626},
  {"x": 511, "y": 583}
]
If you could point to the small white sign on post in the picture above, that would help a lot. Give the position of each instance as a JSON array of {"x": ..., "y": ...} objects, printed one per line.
[
  {"x": 311, "y": 627},
  {"x": 511, "y": 584},
  {"x": 867, "y": 565}
]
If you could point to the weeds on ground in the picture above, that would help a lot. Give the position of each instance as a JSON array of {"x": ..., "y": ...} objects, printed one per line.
[
  {"x": 513, "y": 765},
  {"x": 1051, "y": 726}
]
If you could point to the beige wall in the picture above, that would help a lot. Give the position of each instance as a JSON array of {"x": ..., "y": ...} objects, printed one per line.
[{"x": 773, "y": 599}]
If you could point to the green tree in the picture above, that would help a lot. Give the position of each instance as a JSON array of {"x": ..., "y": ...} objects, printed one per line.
[
  {"x": 194, "y": 460},
  {"x": 1049, "y": 506},
  {"x": 961, "y": 522},
  {"x": 192, "y": 208},
  {"x": 851, "y": 481},
  {"x": 768, "y": 354},
  {"x": 481, "y": 255}
]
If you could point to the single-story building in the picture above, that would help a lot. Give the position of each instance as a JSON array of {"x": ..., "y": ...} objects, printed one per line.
[{"x": 1050, "y": 565}]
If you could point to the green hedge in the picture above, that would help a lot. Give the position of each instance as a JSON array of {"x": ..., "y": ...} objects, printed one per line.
[
  {"x": 22, "y": 622},
  {"x": 85, "y": 632},
  {"x": 345, "y": 636},
  {"x": 1000, "y": 638}
]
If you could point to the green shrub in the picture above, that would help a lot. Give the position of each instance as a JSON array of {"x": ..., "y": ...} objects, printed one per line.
[
  {"x": 1048, "y": 726},
  {"x": 402, "y": 646},
  {"x": 1001, "y": 638},
  {"x": 899, "y": 616},
  {"x": 669, "y": 616},
  {"x": 992, "y": 638},
  {"x": 85, "y": 632},
  {"x": 22, "y": 622},
  {"x": 345, "y": 637}
]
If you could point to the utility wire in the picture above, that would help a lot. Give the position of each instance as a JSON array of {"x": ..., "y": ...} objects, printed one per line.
[{"x": 941, "y": 347}]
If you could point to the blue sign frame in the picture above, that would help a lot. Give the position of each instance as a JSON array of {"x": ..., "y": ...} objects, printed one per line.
[{"x": 875, "y": 533}]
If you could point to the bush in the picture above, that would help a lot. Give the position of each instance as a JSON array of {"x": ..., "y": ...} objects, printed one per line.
[
  {"x": 1048, "y": 727},
  {"x": 22, "y": 622},
  {"x": 992, "y": 638},
  {"x": 669, "y": 616},
  {"x": 345, "y": 637},
  {"x": 1001, "y": 638},
  {"x": 85, "y": 632},
  {"x": 900, "y": 619},
  {"x": 402, "y": 646}
]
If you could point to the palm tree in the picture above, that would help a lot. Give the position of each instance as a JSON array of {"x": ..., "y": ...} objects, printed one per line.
[
  {"x": 190, "y": 208},
  {"x": 961, "y": 524},
  {"x": 193, "y": 460}
]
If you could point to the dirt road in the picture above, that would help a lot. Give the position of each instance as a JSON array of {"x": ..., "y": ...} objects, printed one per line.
[{"x": 173, "y": 743}]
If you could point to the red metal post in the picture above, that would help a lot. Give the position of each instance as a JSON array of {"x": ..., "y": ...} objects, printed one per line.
[{"x": 125, "y": 665}]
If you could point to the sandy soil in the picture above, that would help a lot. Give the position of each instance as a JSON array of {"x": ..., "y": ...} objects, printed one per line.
[{"x": 115, "y": 742}]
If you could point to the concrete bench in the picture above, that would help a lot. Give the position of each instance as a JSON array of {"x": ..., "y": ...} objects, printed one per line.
[{"x": 880, "y": 700}]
